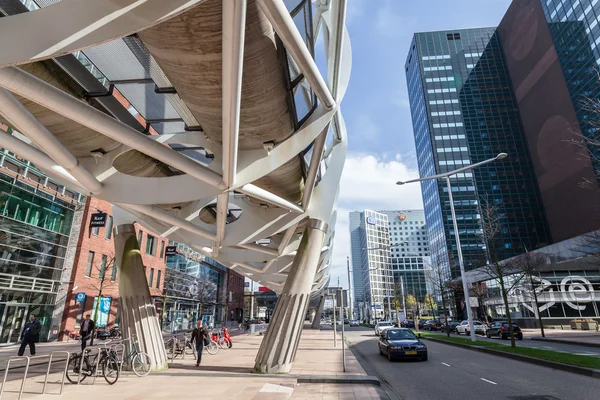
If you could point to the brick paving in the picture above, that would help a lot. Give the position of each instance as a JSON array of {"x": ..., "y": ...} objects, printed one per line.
[{"x": 228, "y": 374}]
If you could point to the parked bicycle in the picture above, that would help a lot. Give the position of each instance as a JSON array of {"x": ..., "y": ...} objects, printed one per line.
[
  {"x": 140, "y": 361},
  {"x": 179, "y": 347},
  {"x": 82, "y": 365}
]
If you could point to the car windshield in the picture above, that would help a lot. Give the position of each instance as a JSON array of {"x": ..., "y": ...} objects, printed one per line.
[
  {"x": 385, "y": 324},
  {"x": 400, "y": 334}
]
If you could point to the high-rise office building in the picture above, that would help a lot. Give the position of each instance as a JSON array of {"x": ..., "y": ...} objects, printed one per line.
[
  {"x": 409, "y": 251},
  {"x": 464, "y": 111},
  {"x": 370, "y": 249},
  {"x": 552, "y": 54}
]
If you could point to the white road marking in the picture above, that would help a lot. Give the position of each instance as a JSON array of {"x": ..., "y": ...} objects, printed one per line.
[
  {"x": 447, "y": 365},
  {"x": 488, "y": 381}
]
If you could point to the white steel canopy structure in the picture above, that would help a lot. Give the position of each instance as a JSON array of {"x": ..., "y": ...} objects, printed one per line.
[{"x": 233, "y": 142}]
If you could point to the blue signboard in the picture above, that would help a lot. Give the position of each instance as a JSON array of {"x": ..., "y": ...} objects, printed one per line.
[
  {"x": 371, "y": 220},
  {"x": 80, "y": 297},
  {"x": 103, "y": 310}
]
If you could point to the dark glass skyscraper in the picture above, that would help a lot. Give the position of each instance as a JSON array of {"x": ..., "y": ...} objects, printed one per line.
[
  {"x": 575, "y": 29},
  {"x": 464, "y": 111}
]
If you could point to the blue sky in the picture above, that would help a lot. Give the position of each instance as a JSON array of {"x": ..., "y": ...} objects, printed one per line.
[{"x": 376, "y": 110}]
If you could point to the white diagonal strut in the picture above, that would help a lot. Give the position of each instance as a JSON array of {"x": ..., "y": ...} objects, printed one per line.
[
  {"x": 27, "y": 124},
  {"x": 234, "y": 28},
  {"x": 279, "y": 16},
  {"x": 38, "y": 91}
]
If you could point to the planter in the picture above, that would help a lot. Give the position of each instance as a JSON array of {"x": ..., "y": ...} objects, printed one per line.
[
  {"x": 587, "y": 326},
  {"x": 576, "y": 325}
]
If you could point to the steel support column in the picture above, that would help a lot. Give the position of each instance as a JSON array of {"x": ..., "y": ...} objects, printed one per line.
[
  {"x": 138, "y": 315},
  {"x": 316, "y": 323},
  {"x": 278, "y": 349}
]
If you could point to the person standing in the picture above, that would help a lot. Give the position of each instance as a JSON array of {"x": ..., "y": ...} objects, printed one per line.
[
  {"x": 200, "y": 336},
  {"x": 86, "y": 330},
  {"x": 30, "y": 335}
]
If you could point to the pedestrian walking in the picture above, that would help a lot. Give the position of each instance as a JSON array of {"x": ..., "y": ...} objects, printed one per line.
[
  {"x": 200, "y": 336},
  {"x": 30, "y": 335},
  {"x": 86, "y": 330}
]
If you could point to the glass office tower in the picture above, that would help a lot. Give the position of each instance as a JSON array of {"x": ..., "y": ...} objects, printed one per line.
[
  {"x": 575, "y": 29},
  {"x": 464, "y": 112}
]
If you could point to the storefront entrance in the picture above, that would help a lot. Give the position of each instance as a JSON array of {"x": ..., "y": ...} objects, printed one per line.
[{"x": 11, "y": 323}]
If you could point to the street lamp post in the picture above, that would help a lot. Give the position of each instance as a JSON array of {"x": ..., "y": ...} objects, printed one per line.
[{"x": 447, "y": 176}]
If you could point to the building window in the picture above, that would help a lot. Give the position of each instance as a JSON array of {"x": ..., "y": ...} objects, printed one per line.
[
  {"x": 162, "y": 251},
  {"x": 150, "y": 245},
  {"x": 113, "y": 275},
  {"x": 158, "y": 279},
  {"x": 140, "y": 233},
  {"x": 151, "y": 278},
  {"x": 95, "y": 231},
  {"x": 109, "y": 228},
  {"x": 102, "y": 271},
  {"x": 90, "y": 263}
]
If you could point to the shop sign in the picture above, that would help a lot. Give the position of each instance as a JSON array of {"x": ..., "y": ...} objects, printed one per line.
[
  {"x": 171, "y": 251},
  {"x": 80, "y": 297},
  {"x": 98, "y": 220}
]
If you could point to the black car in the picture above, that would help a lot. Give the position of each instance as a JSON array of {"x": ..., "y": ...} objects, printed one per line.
[
  {"x": 500, "y": 329},
  {"x": 401, "y": 343},
  {"x": 432, "y": 325}
]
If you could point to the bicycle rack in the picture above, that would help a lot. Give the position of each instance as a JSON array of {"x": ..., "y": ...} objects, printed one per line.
[
  {"x": 62, "y": 382},
  {"x": 87, "y": 350},
  {"x": 119, "y": 357},
  {"x": 10, "y": 359}
]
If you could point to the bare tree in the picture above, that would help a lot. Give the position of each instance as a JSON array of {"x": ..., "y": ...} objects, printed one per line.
[
  {"x": 437, "y": 278},
  {"x": 478, "y": 290},
  {"x": 103, "y": 280},
  {"x": 397, "y": 301},
  {"x": 505, "y": 273},
  {"x": 530, "y": 264}
]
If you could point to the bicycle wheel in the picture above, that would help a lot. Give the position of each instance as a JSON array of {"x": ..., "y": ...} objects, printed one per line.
[
  {"x": 73, "y": 370},
  {"x": 212, "y": 347},
  {"x": 110, "y": 369},
  {"x": 189, "y": 349},
  {"x": 141, "y": 364}
]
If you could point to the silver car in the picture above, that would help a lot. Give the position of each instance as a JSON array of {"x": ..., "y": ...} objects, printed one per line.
[{"x": 381, "y": 326}]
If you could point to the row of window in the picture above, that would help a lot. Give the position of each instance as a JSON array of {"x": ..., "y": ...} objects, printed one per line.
[
  {"x": 449, "y": 137},
  {"x": 445, "y": 113},
  {"x": 440, "y": 68},
  {"x": 442, "y": 57},
  {"x": 450, "y": 90},
  {"x": 448, "y": 125},
  {"x": 105, "y": 264},
  {"x": 437, "y": 102},
  {"x": 441, "y": 79},
  {"x": 451, "y": 149}
]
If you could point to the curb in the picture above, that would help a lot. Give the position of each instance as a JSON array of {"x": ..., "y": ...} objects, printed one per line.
[
  {"x": 353, "y": 379},
  {"x": 592, "y": 373},
  {"x": 572, "y": 342}
]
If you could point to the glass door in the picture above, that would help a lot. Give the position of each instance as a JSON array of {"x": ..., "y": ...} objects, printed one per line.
[{"x": 12, "y": 323}]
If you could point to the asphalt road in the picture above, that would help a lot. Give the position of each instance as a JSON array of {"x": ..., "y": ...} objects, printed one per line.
[{"x": 455, "y": 373}]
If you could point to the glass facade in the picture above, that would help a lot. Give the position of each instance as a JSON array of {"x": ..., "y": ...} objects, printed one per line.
[
  {"x": 372, "y": 281},
  {"x": 409, "y": 250},
  {"x": 194, "y": 288},
  {"x": 35, "y": 224},
  {"x": 574, "y": 27},
  {"x": 463, "y": 112}
]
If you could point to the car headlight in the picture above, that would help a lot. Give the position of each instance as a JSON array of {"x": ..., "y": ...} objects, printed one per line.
[
  {"x": 421, "y": 347},
  {"x": 394, "y": 348}
]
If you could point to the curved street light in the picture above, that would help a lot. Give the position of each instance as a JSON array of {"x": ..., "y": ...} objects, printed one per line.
[{"x": 447, "y": 176}]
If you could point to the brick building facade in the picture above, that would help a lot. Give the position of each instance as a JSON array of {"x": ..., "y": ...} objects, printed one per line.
[
  {"x": 235, "y": 293},
  {"x": 94, "y": 259}
]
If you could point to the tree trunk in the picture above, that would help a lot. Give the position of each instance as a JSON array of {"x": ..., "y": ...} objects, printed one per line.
[
  {"x": 445, "y": 312},
  {"x": 508, "y": 317},
  {"x": 537, "y": 307}
]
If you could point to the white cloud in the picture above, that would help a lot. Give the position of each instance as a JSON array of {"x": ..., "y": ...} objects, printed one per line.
[{"x": 369, "y": 182}]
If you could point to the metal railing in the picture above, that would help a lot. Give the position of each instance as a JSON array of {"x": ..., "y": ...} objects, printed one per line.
[{"x": 27, "y": 364}]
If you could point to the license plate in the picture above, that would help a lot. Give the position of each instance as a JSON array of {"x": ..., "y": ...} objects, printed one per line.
[{"x": 411, "y": 353}]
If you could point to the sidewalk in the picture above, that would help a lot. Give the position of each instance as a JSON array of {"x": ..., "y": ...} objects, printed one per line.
[
  {"x": 566, "y": 336},
  {"x": 228, "y": 374}
]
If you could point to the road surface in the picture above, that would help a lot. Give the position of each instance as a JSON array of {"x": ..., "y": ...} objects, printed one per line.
[{"x": 455, "y": 373}]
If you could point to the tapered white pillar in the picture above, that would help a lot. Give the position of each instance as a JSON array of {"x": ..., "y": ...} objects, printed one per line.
[
  {"x": 138, "y": 315},
  {"x": 278, "y": 348},
  {"x": 316, "y": 323},
  {"x": 312, "y": 312}
]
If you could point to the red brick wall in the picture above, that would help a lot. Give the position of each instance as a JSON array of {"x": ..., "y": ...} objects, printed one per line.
[
  {"x": 100, "y": 245},
  {"x": 235, "y": 285}
]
